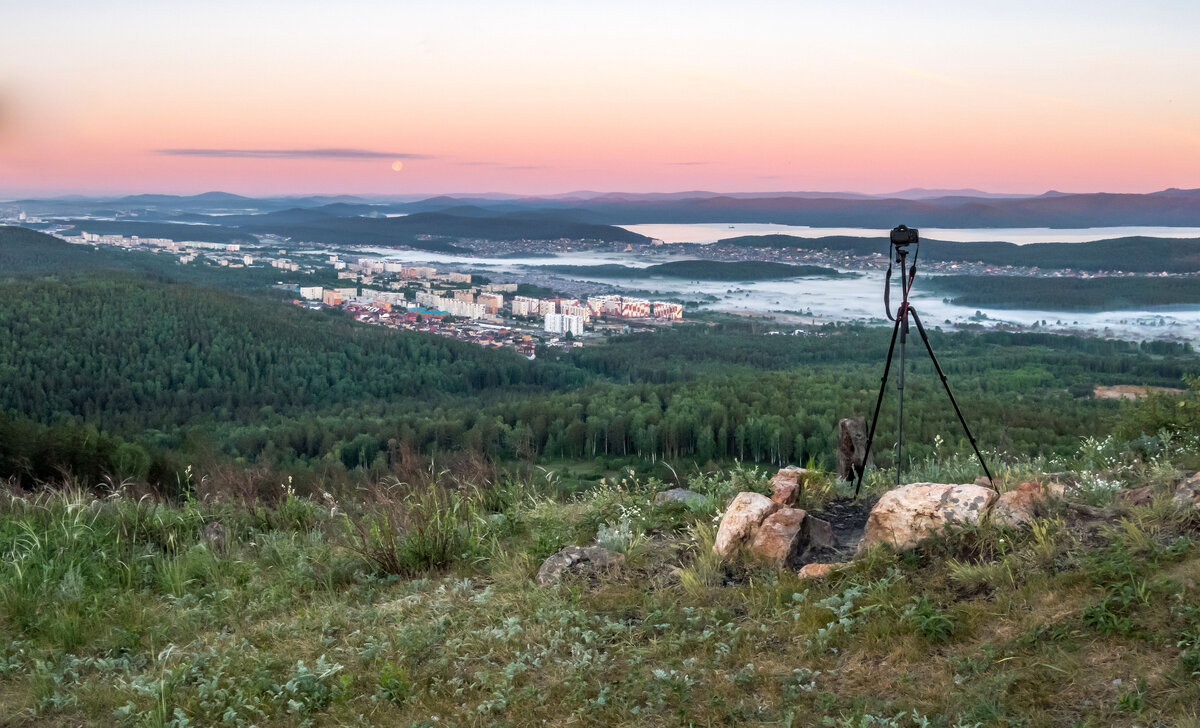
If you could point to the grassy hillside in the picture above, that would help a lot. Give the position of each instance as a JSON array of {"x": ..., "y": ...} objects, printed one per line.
[
  {"x": 417, "y": 606},
  {"x": 29, "y": 255}
]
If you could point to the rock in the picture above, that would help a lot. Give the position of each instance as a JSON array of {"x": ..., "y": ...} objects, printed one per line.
[
  {"x": 741, "y": 520},
  {"x": 577, "y": 558},
  {"x": 1021, "y": 505},
  {"x": 680, "y": 495},
  {"x": 1136, "y": 496},
  {"x": 906, "y": 515},
  {"x": 1091, "y": 512},
  {"x": 820, "y": 533},
  {"x": 1187, "y": 497},
  {"x": 817, "y": 571},
  {"x": 788, "y": 484},
  {"x": 780, "y": 536},
  {"x": 851, "y": 446},
  {"x": 213, "y": 533}
]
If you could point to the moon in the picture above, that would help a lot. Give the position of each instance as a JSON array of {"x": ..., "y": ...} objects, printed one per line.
[{"x": 397, "y": 165}]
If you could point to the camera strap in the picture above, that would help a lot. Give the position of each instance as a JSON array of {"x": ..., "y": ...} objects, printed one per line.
[
  {"x": 887, "y": 287},
  {"x": 906, "y": 281}
]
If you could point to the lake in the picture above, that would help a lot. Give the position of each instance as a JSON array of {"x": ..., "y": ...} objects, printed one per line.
[{"x": 843, "y": 299}]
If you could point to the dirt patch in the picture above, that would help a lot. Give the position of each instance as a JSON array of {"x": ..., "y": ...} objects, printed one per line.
[
  {"x": 848, "y": 518},
  {"x": 1131, "y": 391}
]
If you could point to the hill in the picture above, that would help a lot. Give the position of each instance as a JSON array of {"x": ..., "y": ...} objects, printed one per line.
[
  {"x": 416, "y": 229},
  {"x": 395, "y": 604},
  {"x": 699, "y": 270},
  {"x": 170, "y": 231},
  {"x": 1130, "y": 254}
]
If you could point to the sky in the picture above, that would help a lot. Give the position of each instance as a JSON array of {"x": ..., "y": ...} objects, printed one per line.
[{"x": 398, "y": 98}]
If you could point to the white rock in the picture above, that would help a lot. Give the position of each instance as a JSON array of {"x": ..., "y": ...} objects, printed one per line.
[
  {"x": 905, "y": 516},
  {"x": 741, "y": 520}
]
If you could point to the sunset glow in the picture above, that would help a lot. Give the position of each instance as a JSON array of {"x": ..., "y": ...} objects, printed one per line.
[{"x": 544, "y": 98}]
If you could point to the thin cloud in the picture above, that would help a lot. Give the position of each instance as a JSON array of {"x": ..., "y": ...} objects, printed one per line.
[
  {"x": 327, "y": 153},
  {"x": 686, "y": 164},
  {"x": 501, "y": 165}
]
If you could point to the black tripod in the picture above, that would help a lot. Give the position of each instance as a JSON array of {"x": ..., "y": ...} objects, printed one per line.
[{"x": 901, "y": 238}]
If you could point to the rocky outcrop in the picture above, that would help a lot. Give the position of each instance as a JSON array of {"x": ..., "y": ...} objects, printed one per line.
[
  {"x": 577, "y": 559},
  {"x": 911, "y": 513},
  {"x": 1023, "y": 504},
  {"x": 780, "y": 537},
  {"x": 851, "y": 447},
  {"x": 741, "y": 520},
  {"x": 680, "y": 495},
  {"x": 788, "y": 484}
]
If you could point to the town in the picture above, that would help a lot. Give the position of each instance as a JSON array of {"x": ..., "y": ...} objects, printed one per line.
[{"x": 419, "y": 298}]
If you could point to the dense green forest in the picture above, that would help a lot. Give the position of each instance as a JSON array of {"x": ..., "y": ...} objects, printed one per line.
[
  {"x": 1067, "y": 294},
  {"x": 139, "y": 372},
  {"x": 700, "y": 270},
  {"x": 1132, "y": 254},
  {"x": 172, "y": 368}
]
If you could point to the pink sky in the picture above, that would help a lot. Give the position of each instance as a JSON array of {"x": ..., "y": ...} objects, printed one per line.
[{"x": 538, "y": 98}]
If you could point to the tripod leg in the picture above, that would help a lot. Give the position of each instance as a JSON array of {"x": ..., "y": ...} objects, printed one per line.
[
  {"x": 901, "y": 316},
  {"x": 862, "y": 468},
  {"x": 957, "y": 411}
]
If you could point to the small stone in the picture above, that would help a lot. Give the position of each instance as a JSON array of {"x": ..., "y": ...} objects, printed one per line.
[
  {"x": 1187, "y": 497},
  {"x": 780, "y": 536},
  {"x": 577, "y": 558},
  {"x": 741, "y": 520},
  {"x": 817, "y": 571},
  {"x": 788, "y": 484},
  {"x": 820, "y": 533},
  {"x": 680, "y": 495}
]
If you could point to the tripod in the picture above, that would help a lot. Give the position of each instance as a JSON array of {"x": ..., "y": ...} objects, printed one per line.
[{"x": 901, "y": 238}]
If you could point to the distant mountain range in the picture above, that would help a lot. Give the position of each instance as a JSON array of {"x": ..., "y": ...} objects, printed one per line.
[{"x": 349, "y": 218}]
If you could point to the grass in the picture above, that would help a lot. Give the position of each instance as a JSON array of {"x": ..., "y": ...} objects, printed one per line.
[{"x": 417, "y": 607}]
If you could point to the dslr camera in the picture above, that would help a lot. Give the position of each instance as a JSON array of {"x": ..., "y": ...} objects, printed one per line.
[{"x": 903, "y": 235}]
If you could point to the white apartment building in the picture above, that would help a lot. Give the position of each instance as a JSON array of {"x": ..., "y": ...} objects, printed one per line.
[{"x": 557, "y": 323}]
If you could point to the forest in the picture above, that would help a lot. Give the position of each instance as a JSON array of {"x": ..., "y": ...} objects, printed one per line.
[
  {"x": 1067, "y": 294},
  {"x": 701, "y": 270},
  {"x": 140, "y": 372},
  {"x": 164, "y": 373}
]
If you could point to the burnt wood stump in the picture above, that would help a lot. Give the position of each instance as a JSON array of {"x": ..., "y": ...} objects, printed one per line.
[{"x": 851, "y": 446}]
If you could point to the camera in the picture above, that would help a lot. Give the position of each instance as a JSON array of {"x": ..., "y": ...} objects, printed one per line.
[{"x": 903, "y": 235}]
